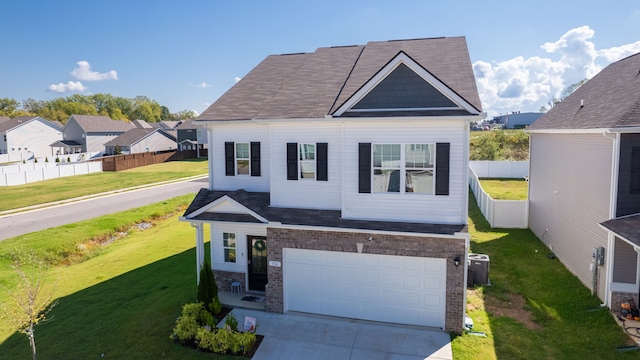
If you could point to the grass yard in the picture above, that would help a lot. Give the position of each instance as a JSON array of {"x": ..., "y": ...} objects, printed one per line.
[
  {"x": 535, "y": 308},
  {"x": 506, "y": 189},
  {"x": 122, "y": 301},
  {"x": 41, "y": 192}
]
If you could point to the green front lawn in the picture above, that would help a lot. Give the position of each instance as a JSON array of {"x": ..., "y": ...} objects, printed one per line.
[
  {"x": 506, "y": 189},
  {"x": 122, "y": 301},
  {"x": 41, "y": 192}
]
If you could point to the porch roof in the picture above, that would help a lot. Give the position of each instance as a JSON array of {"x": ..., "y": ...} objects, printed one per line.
[
  {"x": 258, "y": 202},
  {"x": 625, "y": 228}
]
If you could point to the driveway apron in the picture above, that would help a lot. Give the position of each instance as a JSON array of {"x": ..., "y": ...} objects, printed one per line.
[{"x": 305, "y": 336}]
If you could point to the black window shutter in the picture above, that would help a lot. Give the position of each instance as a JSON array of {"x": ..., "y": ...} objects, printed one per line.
[
  {"x": 229, "y": 156},
  {"x": 322, "y": 162},
  {"x": 364, "y": 168},
  {"x": 255, "y": 159},
  {"x": 442, "y": 168},
  {"x": 292, "y": 161}
]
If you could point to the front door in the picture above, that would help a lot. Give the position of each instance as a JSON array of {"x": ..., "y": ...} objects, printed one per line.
[{"x": 257, "y": 246}]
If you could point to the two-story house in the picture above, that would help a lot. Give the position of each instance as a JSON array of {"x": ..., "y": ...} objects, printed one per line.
[
  {"x": 89, "y": 133},
  {"x": 24, "y": 134},
  {"x": 191, "y": 136},
  {"x": 338, "y": 181},
  {"x": 584, "y": 182}
]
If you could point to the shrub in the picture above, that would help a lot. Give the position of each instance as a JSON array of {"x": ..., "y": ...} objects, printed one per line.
[
  {"x": 207, "y": 319},
  {"x": 215, "y": 306},
  {"x": 231, "y": 322},
  {"x": 207, "y": 288},
  {"x": 57, "y": 159}
]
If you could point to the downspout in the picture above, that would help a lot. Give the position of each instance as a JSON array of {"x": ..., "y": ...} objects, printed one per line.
[
  {"x": 613, "y": 196},
  {"x": 210, "y": 154}
]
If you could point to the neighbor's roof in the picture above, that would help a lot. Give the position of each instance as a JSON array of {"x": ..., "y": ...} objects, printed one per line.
[
  {"x": 611, "y": 99},
  {"x": 95, "y": 123},
  {"x": 4, "y": 118},
  {"x": 19, "y": 120},
  {"x": 312, "y": 85},
  {"x": 625, "y": 227},
  {"x": 187, "y": 125},
  {"x": 132, "y": 136},
  {"x": 141, "y": 124},
  {"x": 258, "y": 202}
]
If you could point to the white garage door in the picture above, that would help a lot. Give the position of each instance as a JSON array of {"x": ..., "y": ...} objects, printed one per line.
[{"x": 397, "y": 289}]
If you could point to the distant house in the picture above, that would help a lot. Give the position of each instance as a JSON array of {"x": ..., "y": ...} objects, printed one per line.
[
  {"x": 28, "y": 134},
  {"x": 191, "y": 136},
  {"x": 584, "y": 182},
  {"x": 141, "y": 124},
  {"x": 338, "y": 182},
  {"x": 89, "y": 133},
  {"x": 141, "y": 140},
  {"x": 516, "y": 120}
]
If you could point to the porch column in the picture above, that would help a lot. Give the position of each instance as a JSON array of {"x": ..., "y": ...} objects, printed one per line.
[{"x": 199, "y": 249}]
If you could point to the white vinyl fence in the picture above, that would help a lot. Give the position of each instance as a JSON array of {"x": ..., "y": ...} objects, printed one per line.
[
  {"x": 500, "y": 213},
  {"x": 21, "y": 174},
  {"x": 15, "y": 157}
]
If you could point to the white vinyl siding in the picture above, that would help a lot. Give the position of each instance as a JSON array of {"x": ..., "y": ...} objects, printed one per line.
[
  {"x": 154, "y": 142},
  {"x": 303, "y": 193},
  {"x": 241, "y": 231},
  {"x": 569, "y": 194},
  {"x": 95, "y": 141},
  {"x": 450, "y": 209},
  {"x": 238, "y": 133},
  {"x": 34, "y": 136}
]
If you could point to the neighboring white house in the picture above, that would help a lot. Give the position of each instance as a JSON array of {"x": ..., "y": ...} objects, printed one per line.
[
  {"x": 338, "y": 181},
  {"x": 191, "y": 136},
  {"x": 89, "y": 133},
  {"x": 141, "y": 140},
  {"x": 584, "y": 182},
  {"x": 28, "y": 134}
]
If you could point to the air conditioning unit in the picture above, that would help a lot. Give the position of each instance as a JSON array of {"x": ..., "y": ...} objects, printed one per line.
[{"x": 479, "y": 266}]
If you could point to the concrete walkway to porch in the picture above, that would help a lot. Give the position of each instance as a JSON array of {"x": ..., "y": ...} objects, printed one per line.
[{"x": 235, "y": 301}]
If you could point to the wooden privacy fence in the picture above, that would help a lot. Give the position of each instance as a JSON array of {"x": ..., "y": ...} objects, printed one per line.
[{"x": 130, "y": 161}]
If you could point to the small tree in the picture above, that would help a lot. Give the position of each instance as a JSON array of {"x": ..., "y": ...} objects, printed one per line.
[
  {"x": 46, "y": 159},
  {"x": 117, "y": 150},
  {"x": 207, "y": 288},
  {"x": 31, "y": 302},
  {"x": 57, "y": 159}
]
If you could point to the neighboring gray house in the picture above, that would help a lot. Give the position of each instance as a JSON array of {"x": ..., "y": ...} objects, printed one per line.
[
  {"x": 338, "y": 182},
  {"x": 28, "y": 134},
  {"x": 584, "y": 172},
  {"x": 89, "y": 133},
  {"x": 141, "y": 140},
  {"x": 191, "y": 136}
]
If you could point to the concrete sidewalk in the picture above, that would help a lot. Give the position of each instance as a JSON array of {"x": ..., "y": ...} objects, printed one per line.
[{"x": 311, "y": 337}]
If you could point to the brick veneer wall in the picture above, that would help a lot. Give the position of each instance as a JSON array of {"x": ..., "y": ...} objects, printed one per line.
[
  {"x": 400, "y": 245},
  {"x": 225, "y": 278}
]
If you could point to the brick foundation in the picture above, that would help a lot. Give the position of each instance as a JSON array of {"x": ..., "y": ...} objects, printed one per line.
[{"x": 400, "y": 245}]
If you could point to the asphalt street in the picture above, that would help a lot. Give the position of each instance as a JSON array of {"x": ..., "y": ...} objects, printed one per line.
[{"x": 40, "y": 219}]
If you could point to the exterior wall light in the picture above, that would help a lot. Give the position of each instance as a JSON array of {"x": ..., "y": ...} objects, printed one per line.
[{"x": 456, "y": 261}]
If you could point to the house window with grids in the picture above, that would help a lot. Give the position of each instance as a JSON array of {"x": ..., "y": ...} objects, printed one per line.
[{"x": 229, "y": 245}]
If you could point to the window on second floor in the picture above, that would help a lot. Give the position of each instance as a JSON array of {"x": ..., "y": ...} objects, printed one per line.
[
  {"x": 307, "y": 161},
  {"x": 404, "y": 168},
  {"x": 242, "y": 158}
]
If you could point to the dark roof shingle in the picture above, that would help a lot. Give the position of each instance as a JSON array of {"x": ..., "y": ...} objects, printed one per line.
[
  {"x": 611, "y": 99},
  {"x": 312, "y": 85},
  {"x": 132, "y": 136},
  {"x": 626, "y": 227},
  {"x": 95, "y": 123}
]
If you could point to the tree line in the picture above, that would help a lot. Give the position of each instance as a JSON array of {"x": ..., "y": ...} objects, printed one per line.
[{"x": 117, "y": 108}]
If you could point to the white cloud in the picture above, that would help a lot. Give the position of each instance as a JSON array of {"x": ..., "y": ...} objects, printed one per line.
[
  {"x": 207, "y": 104},
  {"x": 83, "y": 72},
  {"x": 521, "y": 84},
  {"x": 236, "y": 79},
  {"x": 196, "y": 113},
  {"x": 203, "y": 85},
  {"x": 70, "y": 86}
]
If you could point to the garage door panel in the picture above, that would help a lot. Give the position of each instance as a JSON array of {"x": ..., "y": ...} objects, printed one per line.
[{"x": 397, "y": 289}]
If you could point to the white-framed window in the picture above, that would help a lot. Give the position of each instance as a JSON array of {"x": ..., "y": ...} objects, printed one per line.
[
  {"x": 403, "y": 168},
  {"x": 307, "y": 160},
  {"x": 229, "y": 245},
  {"x": 242, "y": 159}
]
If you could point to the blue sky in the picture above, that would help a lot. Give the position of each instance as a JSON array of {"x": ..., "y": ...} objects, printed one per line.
[{"x": 186, "y": 54}]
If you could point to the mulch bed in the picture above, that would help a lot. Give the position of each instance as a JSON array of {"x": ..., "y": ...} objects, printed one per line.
[{"x": 223, "y": 313}]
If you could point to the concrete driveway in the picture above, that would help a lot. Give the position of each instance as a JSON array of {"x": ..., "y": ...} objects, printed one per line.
[{"x": 304, "y": 336}]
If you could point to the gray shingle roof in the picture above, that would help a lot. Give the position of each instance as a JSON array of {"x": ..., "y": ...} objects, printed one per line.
[
  {"x": 611, "y": 100},
  {"x": 19, "y": 120},
  {"x": 132, "y": 136},
  {"x": 4, "y": 118},
  {"x": 258, "y": 202},
  {"x": 187, "y": 125},
  {"x": 141, "y": 124},
  {"x": 626, "y": 227},
  {"x": 313, "y": 85},
  {"x": 95, "y": 123}
]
